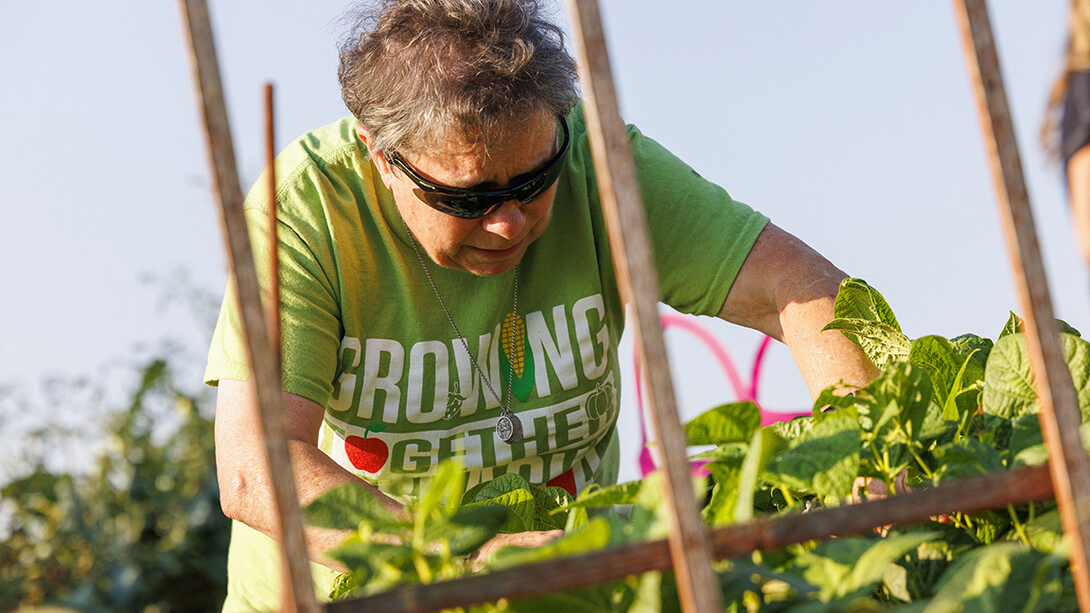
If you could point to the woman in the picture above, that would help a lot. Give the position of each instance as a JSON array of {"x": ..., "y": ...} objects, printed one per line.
[
  {"x": 447, "y": 285},
  {"x": 1070, "y": 102}
]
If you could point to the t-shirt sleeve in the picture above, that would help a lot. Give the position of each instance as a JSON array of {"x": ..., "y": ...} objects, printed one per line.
[
  {"x": 309, "y": 311},
  {"x": 700, "y": 235}
]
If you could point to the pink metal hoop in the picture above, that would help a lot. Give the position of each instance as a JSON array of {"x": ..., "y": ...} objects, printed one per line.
[{"x": 649, "y": 460}]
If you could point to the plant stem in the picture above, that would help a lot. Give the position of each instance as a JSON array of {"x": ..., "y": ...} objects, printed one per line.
[
  {"x": 420, "y": 562},
  {"x": 923, "y": 466},
  {"x": 787, "y": 497},
  {"x": 423, "y": 569},
  {"x": 1018, "y": 527}
]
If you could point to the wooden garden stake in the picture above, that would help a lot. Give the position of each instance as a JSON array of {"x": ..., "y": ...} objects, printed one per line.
[
  {"x": 299, "y": 590},
  {"x": 698, "y": 586},
  {"x": 1060, "y": 416}
]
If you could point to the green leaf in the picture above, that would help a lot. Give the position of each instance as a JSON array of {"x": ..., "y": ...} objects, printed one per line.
[
  {"x": 1046, "y": 532},
  {"x": 967, "y": 458},
  {"x": 443, "y": 492},
  {"x": 595, "y": 535},
  {"x": 795, "y": 427},
  {"x": 762, "y": 448},
  {"x": 577, "y": 518},
  {"x": 895, "y": 405},
  {"x": 1077, "y": 356},
  {"x": 1009, "y": 383},
  {"x": 508, "y": 482},
  {"x": 882, "y": 343},
  {"x": 549, "y": 504},
  {"x": 1014, "y": 325},
  {"x": 1002, "y": 577},
  {"x": 510, "y": 490},
  {"x": 1027, "y": 444},
  {"x": 721, "y": 510},
  {"x": 621, "y": 493},
  {"x": 858, "y": 300},
  {"x": 744, "y": 575},
  {"x": 964, "y": 391},
  {"x": 940, "y": 360},
  {"x": 1008, "y": 379},
  {"x": 728, "y": 423},
  {"x": 976, "y": 346},
  {"x": 468, "y": 528},
  {"x": 344, "y": 586},
  {"x": 828, "y": 402},
  {"x": 730, "y": 453},
  {"x": 521, "y": 506},
  {"x": 609, "y": 597},
  {"x": 823, "y": 461},
  {"x": 347, "y": 506},
  {"x": 367, "y": 559},
  {"x": 1065, "y": 328},
  {"x": 648, "y": 594},
  {"x": 851, "y": 566}
]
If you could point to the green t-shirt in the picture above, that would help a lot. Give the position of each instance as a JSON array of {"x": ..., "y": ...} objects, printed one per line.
[{"x": 364, "y": 335}]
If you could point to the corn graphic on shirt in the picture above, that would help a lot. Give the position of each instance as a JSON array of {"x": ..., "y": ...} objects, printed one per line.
[{"x": 365, "y": 337}]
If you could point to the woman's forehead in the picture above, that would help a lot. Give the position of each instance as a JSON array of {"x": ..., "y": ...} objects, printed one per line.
[
  {"x": 461, "y": 162},
  {"x": 484, "y": 138}
]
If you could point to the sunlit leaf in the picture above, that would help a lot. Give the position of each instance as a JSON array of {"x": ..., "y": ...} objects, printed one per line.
[
  {"x": 823, "y": 461},
  {"x": 521, "y": 506},
  {"x": 1009, "y": 382},
  {"x": 468, "y": 528},
  {"x": 622, "y": 493},
  {"x": 762, "y": 448},
  {"x": 1003, "y": 577},
  {"x": 858, "y": 300},
  {"x": 595, "y": 535},
  {"x": 728, "y": 423},
  {"x": 882, "y": 343},
  {"x": 346, "y": 506},
  {"x": 850, "y": 566}
]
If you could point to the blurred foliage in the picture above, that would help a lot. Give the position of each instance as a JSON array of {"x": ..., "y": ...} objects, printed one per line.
[{"x": 138, "y": 527}]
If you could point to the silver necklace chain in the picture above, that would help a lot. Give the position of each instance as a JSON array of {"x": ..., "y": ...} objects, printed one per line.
[{"x": 506, "y": 406}]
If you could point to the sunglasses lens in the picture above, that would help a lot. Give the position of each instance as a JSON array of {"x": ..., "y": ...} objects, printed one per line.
[{"x": 459, "y": 205}]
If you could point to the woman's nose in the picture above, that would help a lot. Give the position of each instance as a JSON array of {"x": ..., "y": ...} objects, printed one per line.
[{"x": 507, "y": 220}]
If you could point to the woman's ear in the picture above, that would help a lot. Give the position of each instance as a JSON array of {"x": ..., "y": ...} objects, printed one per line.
[{"x": 377, "y": 157}]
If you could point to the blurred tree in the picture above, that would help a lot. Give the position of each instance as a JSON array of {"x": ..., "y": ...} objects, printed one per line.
[{"x": 140, "y": 529}]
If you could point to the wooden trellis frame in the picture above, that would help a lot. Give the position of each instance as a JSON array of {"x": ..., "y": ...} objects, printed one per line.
[{"x": 690, "y": 548}]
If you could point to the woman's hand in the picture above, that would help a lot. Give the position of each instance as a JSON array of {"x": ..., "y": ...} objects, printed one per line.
[{"x": 528, "y": 540}]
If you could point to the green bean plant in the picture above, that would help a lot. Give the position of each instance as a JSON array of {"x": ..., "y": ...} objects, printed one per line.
[{"x": 942, "y": 409}]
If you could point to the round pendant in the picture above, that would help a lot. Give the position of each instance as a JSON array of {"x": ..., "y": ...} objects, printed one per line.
[{"x": 509, "y": 428}]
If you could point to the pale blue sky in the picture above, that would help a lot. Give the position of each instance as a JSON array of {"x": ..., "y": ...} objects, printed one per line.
[{"x": 850, "y": 123}]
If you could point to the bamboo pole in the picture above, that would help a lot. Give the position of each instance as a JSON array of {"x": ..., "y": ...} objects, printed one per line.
[
  {"x": 967, "y": 495},
  {"x": 1060, "y": 416},
  {"x": 273, "y": 308},
  {"x": 698, "y": 588},
  {"x": 298, "y": 591}
]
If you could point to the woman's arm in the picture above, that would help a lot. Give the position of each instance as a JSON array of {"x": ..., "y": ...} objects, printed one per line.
[
  {"x": 243, "y": 468},
  {"x": 786, "y": 290}
]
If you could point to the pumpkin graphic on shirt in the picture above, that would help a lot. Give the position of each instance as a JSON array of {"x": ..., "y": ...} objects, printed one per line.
[
  {"x": 600, "y": 401},
  {"x": 367, "y": 454}
]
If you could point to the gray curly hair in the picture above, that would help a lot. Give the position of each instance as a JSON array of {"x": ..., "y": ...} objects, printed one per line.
[{"x": 412, "y": 70}]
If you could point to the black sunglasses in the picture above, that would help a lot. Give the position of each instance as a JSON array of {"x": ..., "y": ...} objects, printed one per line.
[{"x": 476, "y": 203}]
